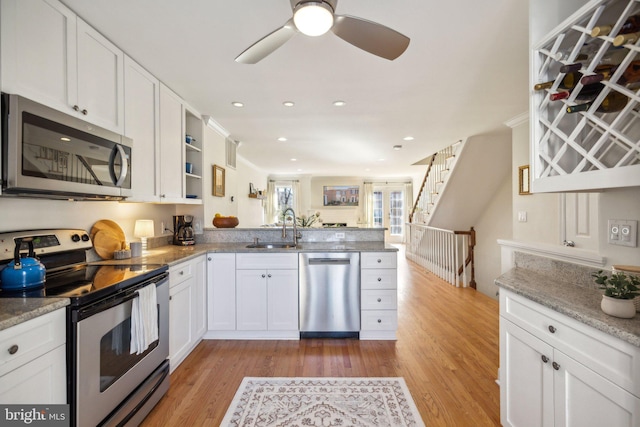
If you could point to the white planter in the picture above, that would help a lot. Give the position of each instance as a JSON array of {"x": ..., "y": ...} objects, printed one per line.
[{"x": 624, "y": 308}]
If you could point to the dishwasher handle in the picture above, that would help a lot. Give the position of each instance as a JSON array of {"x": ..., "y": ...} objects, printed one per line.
[{"x": 329, "y": 261}]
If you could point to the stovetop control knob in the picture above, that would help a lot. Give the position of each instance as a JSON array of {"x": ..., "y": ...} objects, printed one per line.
[
  {"x": 85, "y": 237},
  {"x": 75, "y": 237}
]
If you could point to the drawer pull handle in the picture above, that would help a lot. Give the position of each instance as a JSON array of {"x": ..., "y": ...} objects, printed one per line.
[
  {"x": 379, "y": 279},
  {"x": 552, "y": 329},
  {"x": 555, "y": 366},
  {"x": 13, "y": 349},
  {"x": 545, "y": 359},
  {"x": 379, "y": 320},
  {"x": 379, "y": 299}
]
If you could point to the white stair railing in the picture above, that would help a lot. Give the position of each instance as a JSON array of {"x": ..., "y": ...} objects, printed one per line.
[{"x": 446, "y": 253}]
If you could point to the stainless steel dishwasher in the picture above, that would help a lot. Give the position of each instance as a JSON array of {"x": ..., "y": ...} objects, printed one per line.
[{"x": 329, "y": 295}]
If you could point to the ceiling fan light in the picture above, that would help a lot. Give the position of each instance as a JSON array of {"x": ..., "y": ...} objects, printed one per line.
[{"x": 313, "y": 18}]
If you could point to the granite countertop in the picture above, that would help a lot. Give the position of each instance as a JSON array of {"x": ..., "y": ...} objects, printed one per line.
[
  {"x": 14, "y": 311},
  {"x": 580, "y": 301},
  {"x": 171, "y": 254}
]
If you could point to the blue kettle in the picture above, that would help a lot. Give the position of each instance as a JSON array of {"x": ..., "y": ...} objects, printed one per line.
[{"x": 23, "y": 273}]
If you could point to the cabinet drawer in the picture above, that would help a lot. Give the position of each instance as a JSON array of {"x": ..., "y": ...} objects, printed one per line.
[
  {"x": 180, "y": 272},
  {"x": 377, "y": 278},
  {"x": 253, "y": 261},
  {"x": 31, "y": 339},
  {"x": 605, "y": 354},
  {"x": 379, "y": 320},
  {"x": 378, "y": 259},
  {"x": 379, "y": 300}
]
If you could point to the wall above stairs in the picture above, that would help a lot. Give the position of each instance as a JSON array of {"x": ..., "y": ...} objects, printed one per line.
[{"x": 483, "y": 164}]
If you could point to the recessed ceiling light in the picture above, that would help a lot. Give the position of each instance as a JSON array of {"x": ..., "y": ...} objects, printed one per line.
[
  {"x": 299, "y": 170},
  {"x": 397, "y": 147},
  {"x": 339, "y": 103},
  {"x": 288, "y": 103},
  {"x": 65, "y": 139},
  {"x": 408, "y": 138},
  {"x": 237, "y": 104},
  {"x": 294, "y": 160},
  {"x": 381, "y": 160},
  {"x": 282, "y": 139}
]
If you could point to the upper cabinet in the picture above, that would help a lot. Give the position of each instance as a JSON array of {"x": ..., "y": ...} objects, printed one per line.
[
  {"x": 53, "y": 57},
  {"x": 585, "y": 119},
  {"x": 171, "y": 146}
]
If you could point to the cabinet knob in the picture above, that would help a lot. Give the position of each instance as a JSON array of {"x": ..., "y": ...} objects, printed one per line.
[
  {"x": 181, "y": 272},
  {"x": 379, "y": 299},
  {"x": 379, "y": 279},
  {"x": 545, "y": 359},
  {"x": 13, "y": 349},
  {"x": 269, "y": 275},
  {"x": 379, "y": 320},
  {"x": 84, "y": 112},
  {"x": 552, "y": 329},
  {"x": 263, "y": 276},
  {"x": 555, "y": 366},
  {"x": 379, "y": 260},
  {"x": 76, "y": 108},
  {"x": 209, "y": 259}
]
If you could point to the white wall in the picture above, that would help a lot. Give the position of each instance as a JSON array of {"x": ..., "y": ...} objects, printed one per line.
[
  {"x": 250, "y": 211},
  {"x": 618, "y": 203}
]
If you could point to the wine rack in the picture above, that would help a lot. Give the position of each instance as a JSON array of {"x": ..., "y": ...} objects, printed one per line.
[{"x": 588, "y": 150}]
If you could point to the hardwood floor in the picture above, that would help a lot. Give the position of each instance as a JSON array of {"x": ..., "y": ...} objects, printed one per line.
[{"x": 447, "y": 352}]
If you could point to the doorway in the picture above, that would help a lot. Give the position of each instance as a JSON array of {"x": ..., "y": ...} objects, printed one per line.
[{"x": 389, "y": 212}]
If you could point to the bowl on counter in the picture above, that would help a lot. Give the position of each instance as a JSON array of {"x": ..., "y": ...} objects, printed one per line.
[{"x": 225, "y": 222}]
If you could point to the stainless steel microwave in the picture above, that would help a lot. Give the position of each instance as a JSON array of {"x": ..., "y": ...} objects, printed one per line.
[{"x": 46, "y": 153}]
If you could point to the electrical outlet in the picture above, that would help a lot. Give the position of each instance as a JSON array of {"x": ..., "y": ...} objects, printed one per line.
[
  {"x": 522, "y": 216},
  {"x": 622, "y": 232},
  {"x": 339, "y": 235}
]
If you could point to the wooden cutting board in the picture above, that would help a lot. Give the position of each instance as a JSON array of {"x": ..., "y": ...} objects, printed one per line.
[
  {"x": 106, "y": 243},
  {"x": 110, "y": 226}
]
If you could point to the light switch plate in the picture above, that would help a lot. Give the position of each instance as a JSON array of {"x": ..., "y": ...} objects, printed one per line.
[{"x": 622, "y": 232}]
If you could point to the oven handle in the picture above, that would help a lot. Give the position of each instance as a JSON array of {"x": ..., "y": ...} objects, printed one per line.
[{"x": 119, "y": 298}]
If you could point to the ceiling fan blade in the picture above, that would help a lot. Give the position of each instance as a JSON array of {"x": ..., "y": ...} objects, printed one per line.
[
  {"x": 269, "y": 43},
  {"x": 370, "y": 36}
]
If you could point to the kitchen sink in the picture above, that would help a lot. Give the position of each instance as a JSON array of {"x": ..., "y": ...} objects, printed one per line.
[{"x": 271, "y": 246}]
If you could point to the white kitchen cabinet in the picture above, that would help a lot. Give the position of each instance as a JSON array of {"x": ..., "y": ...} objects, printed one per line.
[
  {"x": 171, "y": 146},
  {"x": 267, "y": 295},
  {"x": 187, "y": 308},
  {"x": 555, "y": 371},
  {"x": 142, "y": 125},
  {"x": 33, "y": 361},
  {"x": 221, "y": 278},
  {"x": 193, "y": 154},
  {"x": 51, "y": 56},
  {"x": 588, "y": 150},
  {"x": 378, "y": 295}
]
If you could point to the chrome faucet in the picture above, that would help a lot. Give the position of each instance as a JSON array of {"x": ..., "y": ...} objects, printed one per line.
[{"x": 296, "y": 236}]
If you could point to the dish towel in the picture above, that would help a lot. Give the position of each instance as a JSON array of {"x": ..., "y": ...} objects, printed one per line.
[{"x": 144, "y": 319}]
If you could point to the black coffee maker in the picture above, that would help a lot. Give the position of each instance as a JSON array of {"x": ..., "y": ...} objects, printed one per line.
[{"x": 183, "y": 230}]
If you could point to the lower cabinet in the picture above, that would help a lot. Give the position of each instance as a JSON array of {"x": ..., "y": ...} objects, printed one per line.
[
  {"x": 253, "y": 296},
  {"x": 378, "y": 295},
  {"x": 187, "y": 307},
  {"x": 555, "y": 371},
  {"x": 33, "y": 362}
]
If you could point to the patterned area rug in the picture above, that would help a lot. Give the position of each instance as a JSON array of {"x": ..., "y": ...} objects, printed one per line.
[{"x": 298, "y": 402}]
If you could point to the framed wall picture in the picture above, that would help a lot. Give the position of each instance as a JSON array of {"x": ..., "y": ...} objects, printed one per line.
[
  {"x": 340, "y": 195},
  {"x": 523, "y": 180},
  {"x": 218, "y": 181}
]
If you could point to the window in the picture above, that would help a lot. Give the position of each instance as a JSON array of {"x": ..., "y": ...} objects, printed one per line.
[{"x": 285, "y": 199}]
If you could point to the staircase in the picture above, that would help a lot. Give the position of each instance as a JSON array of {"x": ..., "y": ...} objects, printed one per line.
[{"x": 459, "y": 183}]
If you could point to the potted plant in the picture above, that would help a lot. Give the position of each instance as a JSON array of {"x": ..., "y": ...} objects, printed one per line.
[{"x": 619, "y": 291}]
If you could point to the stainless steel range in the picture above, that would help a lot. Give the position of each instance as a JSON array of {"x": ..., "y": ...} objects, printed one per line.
[{"x": 108, "y": 384}]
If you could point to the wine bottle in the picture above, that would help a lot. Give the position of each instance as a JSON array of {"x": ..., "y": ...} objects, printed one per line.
[
  {"x": 587, "y": 51},
  {"x": 587, "y": 93},
  {"x": 613, "y": 102},
  {"x": 631, "y": 25},
  {"x": 613, "y": 56},
  {"x": 569, "y": 81},
  {"x": 626, "y": 38},
  {"x": 631, "y": 74}
]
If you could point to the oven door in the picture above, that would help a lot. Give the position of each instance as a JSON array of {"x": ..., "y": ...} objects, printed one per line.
[{"x": 105, "y": 371}]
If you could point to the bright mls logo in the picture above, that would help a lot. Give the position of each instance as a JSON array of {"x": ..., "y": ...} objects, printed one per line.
[{"x": 34, "y": 415}]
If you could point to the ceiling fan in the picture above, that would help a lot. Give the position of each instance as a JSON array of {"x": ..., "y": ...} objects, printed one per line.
[{"x": 315, "y": 18}]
